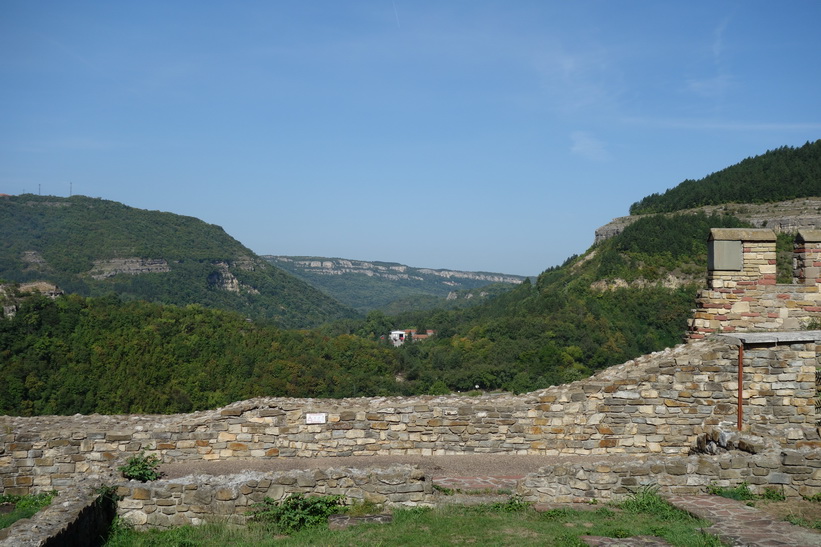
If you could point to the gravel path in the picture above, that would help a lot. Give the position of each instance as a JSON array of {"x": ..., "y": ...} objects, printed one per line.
[{"x": 473, "y": 465}]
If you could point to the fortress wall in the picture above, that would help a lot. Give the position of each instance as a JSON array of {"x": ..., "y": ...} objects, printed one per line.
[
  {"x": 742, "y": 294},
  {"x": 658, "y": 404}
]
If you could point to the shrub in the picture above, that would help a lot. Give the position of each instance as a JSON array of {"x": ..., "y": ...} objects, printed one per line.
[
  {"x": 296, "y": 511},
  {"x": 142, "y": 467}
]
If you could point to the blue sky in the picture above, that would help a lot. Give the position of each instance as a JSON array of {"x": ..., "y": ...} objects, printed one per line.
[{"x": 471, "y": 135}]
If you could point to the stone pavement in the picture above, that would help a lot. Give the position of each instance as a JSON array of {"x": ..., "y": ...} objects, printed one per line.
[{"x": 738, "y": 524}]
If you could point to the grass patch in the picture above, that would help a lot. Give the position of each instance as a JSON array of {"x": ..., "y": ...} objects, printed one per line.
[
  {"x": 513, "y": 522},
  {"x": 742, "y": 492},
  {"x": 800, "y": 521},
  {"x": 445, "y": 491},
  {"x": 24, "y": 506}
]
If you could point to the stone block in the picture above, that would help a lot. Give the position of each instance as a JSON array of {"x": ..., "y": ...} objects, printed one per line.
[{"x": 779, "y": 478}]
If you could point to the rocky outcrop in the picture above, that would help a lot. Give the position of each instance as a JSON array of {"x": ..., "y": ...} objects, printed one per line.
[
  {"x": 670, "y": 281},
  {"x": 340, "y": 266},
  {"x": 782, "y": 216},
  {"x": 223, "y": 279},
  {"x": 104, "y": 269}
]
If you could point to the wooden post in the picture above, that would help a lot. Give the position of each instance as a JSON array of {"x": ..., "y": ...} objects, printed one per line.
[{"x": 740, "y": 384}]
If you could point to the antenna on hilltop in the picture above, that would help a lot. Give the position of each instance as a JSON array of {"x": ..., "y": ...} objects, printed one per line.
[
  {"x": 38, "y": 191},
  {"x": 70, "y": 188}
]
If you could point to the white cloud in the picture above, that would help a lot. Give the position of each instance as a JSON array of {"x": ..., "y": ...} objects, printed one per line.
[
  {"x": 587, "y": 146},
  {"x": 715, "y": 87}
]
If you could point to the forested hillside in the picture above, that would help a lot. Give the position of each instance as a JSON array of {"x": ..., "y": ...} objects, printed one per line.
[
  {"x": 570, "y": 323},
  {"x": 87, "y": 355},
  {"x": 626, "y": 296},
  {"x": 777, "y": 175},
  {"x": 95, "y": 247},
  {"x": 75, "y": 354}
]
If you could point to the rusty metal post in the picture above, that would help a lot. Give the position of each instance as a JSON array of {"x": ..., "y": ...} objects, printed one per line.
[{"x": 740, "y": 385}]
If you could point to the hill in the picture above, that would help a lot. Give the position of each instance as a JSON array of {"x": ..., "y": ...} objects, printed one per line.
[
  {"x": 71, "y": 354},
  {"x": 627, "y": 295},
  {"x": 94, "y": 247},
  {"x": 782, "y": 174},
  {"x": 389, "y": 286},
  {"x": 630, "y": 293}
]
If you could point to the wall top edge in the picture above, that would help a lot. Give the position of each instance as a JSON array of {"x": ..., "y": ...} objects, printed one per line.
[
  {"x": 773, "y": 337},
  {"x": 742, "y": 234},
  {"x": 809, "y": 236}
]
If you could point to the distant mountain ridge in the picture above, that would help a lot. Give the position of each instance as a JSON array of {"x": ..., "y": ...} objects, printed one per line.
[
  {"x": 96, "y": 247},
  {"x": 366, "y": 285}
]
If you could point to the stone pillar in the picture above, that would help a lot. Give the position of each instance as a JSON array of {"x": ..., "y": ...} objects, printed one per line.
[
  {"x": 807, "y": 257},
  {"x": 740, "y": 270},
  {"x": 740, "y": 258}
]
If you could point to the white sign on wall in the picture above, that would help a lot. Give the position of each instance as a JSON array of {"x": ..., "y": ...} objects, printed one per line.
[{"x": 316, "y": 418}]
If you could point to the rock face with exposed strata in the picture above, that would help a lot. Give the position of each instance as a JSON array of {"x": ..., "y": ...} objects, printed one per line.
[
  {"x": 131, "y": 266},
  {"x": 395, "y": 272},
  {"x": 782, "y": 216},
  {"x": 367, "y": 285},
  {"x": 93, "y": 247}
]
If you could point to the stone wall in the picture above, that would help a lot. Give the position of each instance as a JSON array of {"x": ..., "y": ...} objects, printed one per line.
[
  {"x": 193, "y": 499},
  {"x": 795, "y": 473},
  {"x": 77, "y": 517},
  {"x": 656, "y": 404},
  {"x": 748, "y": 299},
  {"x": 80, "y": 516}
]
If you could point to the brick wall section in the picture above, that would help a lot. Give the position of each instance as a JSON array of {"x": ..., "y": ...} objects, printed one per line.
[
  {"x": 750, "y": 300},
  {"x": 656, "y": 404}
]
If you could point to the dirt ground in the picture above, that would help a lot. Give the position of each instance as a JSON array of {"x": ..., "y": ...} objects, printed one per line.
[
  {"x": 475, "y": 465},
  {"x": 803, "y": 512}
]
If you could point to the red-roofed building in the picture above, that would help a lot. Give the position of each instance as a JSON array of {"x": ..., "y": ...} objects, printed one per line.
[{"x": 398, "y": 337}]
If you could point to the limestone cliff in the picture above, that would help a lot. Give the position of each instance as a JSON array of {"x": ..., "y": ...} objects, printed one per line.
[
  {"x": 367, "y": 285},
  {"x": 132, "y": 266},
  {"x": 782, "y": 216},
  {"x": 340, "y": 266}
]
